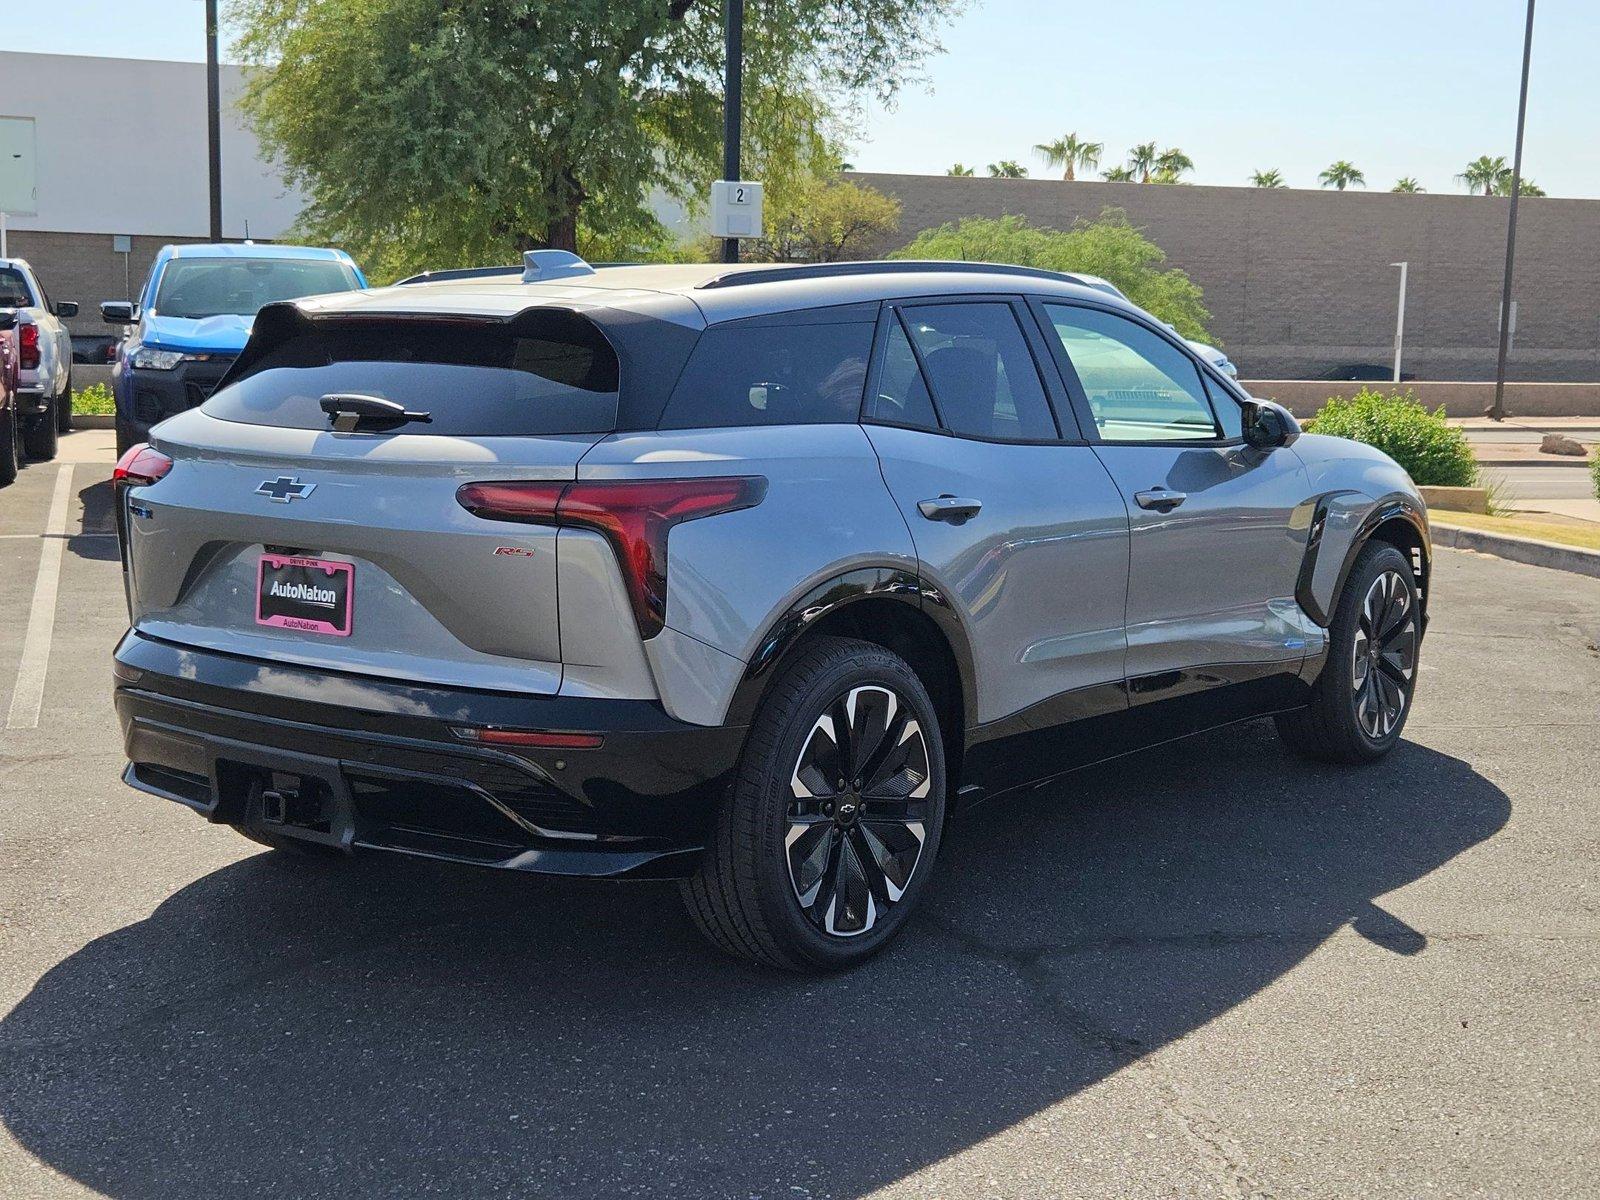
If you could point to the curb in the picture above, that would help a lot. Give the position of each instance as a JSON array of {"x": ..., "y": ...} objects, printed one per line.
[
  {"x": 1531, "y": 460},
  {"x": 93, "y": 421},
  {"x": 1532, "y": 551}
]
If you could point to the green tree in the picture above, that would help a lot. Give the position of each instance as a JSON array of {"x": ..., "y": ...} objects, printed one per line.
[
  {"x": 1143, "y": 160},
  {"x": 428, "y": 134},
  {"x": 1267, "y": 179},
  {"x": 1172, "y": 165},
  {"x": 1007, "y": 169},
  {"x": 1486, "y": 173},
  {"x": 826, "y": 221},
  {"x": 960, "y": 169},
  {"x": 1342, "y": 175},
  {"x": 1117, "y": 175},
  {"x": 1407, "y": 184},
  {"x": 1108, "y": 246},
  {"x": 1069, "y": 153}
]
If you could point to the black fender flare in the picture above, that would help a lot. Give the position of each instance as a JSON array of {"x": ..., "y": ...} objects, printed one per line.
[
  {"x": 841, "y": 591},
  {"x": 1390, "y": 508}
]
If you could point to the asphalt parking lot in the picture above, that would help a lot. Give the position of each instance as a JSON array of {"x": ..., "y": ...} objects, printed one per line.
[{"x": 1209, "y": 970}]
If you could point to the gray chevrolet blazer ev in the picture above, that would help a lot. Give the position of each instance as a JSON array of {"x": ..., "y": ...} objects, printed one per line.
[{"x": 750, "y": 576}]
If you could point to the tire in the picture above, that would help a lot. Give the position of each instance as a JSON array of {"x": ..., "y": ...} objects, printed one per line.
[
  {"x": 1363, "y": 696},
  {"x": 10, "y": 447},
  {"x": 39, "y": 436},
  {"x": 799, "y": 874},
  {"x": 64, "y": 407}
]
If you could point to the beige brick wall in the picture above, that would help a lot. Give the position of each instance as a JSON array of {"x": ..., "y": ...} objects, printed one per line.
[{"x": 1298, "y": 280}]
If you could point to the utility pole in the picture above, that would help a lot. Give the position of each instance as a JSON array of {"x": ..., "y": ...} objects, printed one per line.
[
  {"x": 732, "y": 103},
  {"x": 214, "y": 120},
  {"x": 1497, "y": 410},
  {"x": 1400, "y": 321}
]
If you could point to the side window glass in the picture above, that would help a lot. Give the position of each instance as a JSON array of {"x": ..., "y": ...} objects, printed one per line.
[
  {"x": 902, "y": 394},
  {"x": 1229, "y": 416},
  {"x": 1140, "y": 387},
  {"x": 981, "y": 371},
  {"x": 772, "y": 375}
]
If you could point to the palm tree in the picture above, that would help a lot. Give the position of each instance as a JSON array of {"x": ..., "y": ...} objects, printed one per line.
[
  {"x": 1069, "y": 153},
  {"x": 1341, "y": 175},
  {"x": 959, "y": 169},
  {"x": 1267, "y": 179},
  {"x": 1006, "y": 169},
  {"x": 1486, "y": 173},
  {"x": 1527, "y": 188},
  {"x": 1173, "y": 163},
  {"x": 1407, "y": 184},
  {"x": 1142, "y": 160},
  {"x": 1117, "y": 175}
]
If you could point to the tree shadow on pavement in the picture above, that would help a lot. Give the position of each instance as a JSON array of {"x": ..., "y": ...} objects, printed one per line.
[{"x": 390, "y": 1028}]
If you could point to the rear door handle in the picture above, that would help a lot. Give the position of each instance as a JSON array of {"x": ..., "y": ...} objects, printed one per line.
[
  {"x": 1161, "y": 499},
  {"x": 949, "y": 508}
]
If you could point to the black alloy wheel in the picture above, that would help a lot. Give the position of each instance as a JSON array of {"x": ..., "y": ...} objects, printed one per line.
[{"x": 857, "y": 822}]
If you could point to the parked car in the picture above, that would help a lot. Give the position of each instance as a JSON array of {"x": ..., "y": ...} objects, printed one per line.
[
  {"x": 44, "y": 349},
  {"x": 194, "y": 314},
  {"x": 746, "y": 575},
  {"x": 1211, "y": 354},
  {"x": 10, "y": 421}
]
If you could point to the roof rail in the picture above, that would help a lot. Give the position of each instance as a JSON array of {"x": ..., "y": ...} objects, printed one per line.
[
  {"x": 458, "y": 273},
  {"x": 898, "y": 267}
]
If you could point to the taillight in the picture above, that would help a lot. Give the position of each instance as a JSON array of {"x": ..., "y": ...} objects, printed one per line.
[
  {"x": 140, "y": 465},
  {"x": 634, "y": 514},
  {"x": 28, "y": 346}
]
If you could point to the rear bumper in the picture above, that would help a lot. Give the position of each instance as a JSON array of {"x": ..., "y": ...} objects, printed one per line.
[{"x": 375, "y": 765}]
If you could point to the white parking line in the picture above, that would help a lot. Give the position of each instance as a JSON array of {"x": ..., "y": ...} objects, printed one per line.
[{"x": 28, "y": 696}]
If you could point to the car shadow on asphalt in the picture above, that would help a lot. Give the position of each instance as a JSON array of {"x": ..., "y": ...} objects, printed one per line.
[
  {"x": 97, "y": 540},
  {"x": 386, "y": 1027}
]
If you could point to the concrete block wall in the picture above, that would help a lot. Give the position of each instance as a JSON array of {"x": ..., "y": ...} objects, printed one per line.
[{"x": 1299, "y": 281}]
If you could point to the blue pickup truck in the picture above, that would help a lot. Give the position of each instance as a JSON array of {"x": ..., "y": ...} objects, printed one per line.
[{"x": 193, "y": 317}]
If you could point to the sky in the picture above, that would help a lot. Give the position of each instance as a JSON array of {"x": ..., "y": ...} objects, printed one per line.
[{"x": 1398, "y": 87}]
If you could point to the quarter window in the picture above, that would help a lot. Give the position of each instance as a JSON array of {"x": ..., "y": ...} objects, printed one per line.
[
  {"x": 772, "y": 375},
  {"x": 1140, "y": 387},
  {"x": 983, "y": 376}
]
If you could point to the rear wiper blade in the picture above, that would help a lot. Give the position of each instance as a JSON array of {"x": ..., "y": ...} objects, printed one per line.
[{"x": 353, "y": 412}]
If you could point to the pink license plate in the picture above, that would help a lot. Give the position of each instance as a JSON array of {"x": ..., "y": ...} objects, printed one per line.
[{"x": 313, "y": 595}]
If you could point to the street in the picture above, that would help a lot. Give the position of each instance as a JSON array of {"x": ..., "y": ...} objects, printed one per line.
[{"x": 1210, "y": 969}]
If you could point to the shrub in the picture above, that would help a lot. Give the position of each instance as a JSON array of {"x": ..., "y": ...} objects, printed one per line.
[
  {"x": 1432, "y": 452},
  {"x": 1594, "y": 469},
  {"x": 93, "y": 401}
]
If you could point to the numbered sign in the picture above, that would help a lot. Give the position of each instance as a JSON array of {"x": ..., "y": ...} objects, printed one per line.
[{"x": 735, "y": 209}]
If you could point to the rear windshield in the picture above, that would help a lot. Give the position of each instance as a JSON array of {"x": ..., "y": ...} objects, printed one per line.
[
  {"x": 13, "y": 289},
  {"x": 543, "y": 374},
  {"x": 772, "y": 374},
  {"x": 214, "y": 287}
]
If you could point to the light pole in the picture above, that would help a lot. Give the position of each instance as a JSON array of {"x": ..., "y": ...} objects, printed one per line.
[
  {"x": 732, "y": 103},
  {"x": 213, "y": 121},
  {"x": 1400, "y": 320},
  {"x": 1497, "y": 410}
]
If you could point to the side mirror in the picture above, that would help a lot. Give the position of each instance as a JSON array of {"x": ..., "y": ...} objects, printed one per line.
[
  {"x": 66, "y": 308},
  {"x": 1268, "y": 425},
  {"x": 8, "y": 318},
  {"x": 115, "y": 312}
]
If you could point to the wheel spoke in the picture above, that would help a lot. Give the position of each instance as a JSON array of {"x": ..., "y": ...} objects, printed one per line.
[
  {"x": 810, "y": 847},
  {"x": 851, "y": 909}
]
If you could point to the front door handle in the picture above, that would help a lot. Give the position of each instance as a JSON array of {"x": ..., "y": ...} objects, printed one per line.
[
  {"x": 1161, "y": 499},
  {"x": 954, "y": 509}
]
